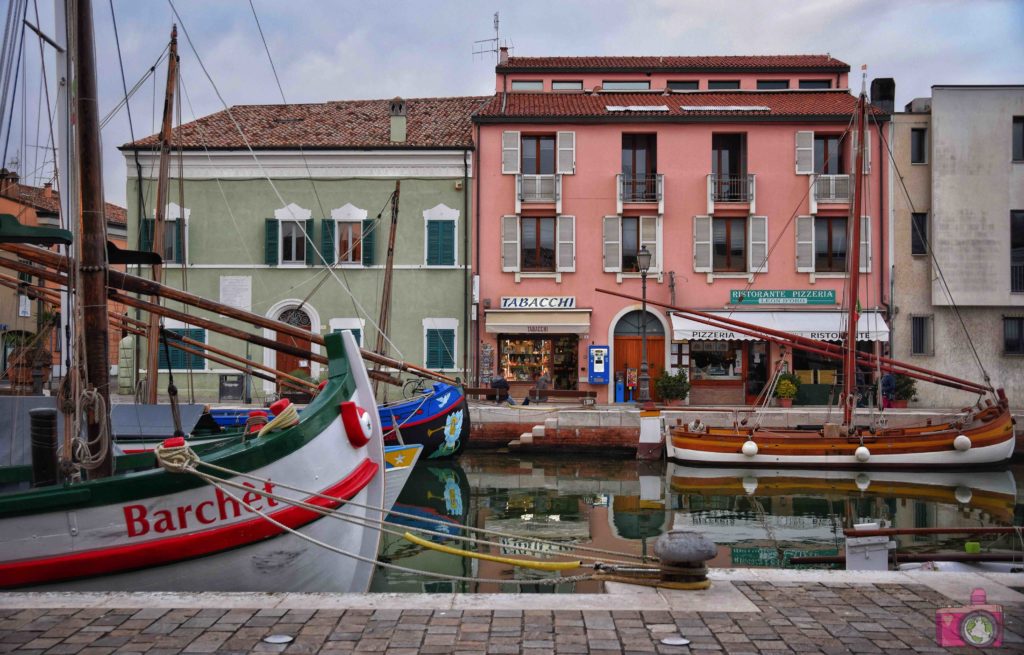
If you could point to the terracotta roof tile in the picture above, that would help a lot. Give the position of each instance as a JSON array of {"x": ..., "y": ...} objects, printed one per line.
[
  {"x": 751, "y": 63},
  {"x": 38, "y": 199},
  {"x": 770, "y": 105},
  {"x": 432, "y": 123}
]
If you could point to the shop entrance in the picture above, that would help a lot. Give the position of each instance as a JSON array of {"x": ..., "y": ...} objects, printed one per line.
[{"x": 629, "y": 348}]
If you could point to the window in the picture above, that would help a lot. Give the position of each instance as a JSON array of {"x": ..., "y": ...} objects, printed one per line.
[
  {"x": 830, "y": 244},
  {"x": 723, "y": 84},
  {"x": 729, "y": 244},
  {"x": 828, "y": 154},
  {"x": 1017, "y": 251},
  {"x": 639, "y": 168},
  {"x": 537, "y": 243},
  {"x": 293, "y": 243},
  {"x": 919, "y": 234},
  {"x": 173, "y": 239},
  {"x": 919, "y": 145},
  {"x": 772, "y": 85},
  {"x": 439, "y": 343},
  {"x": 538, "y": 155},
  {"x": 1013, "y": 335},
  {"x": 815, "y": 84},
  {"x": 684, "y": 85},
  {"x": 567, "y": 85},
  {"x": 440, "y": 243},
  {"x": 627, "y": 85},
  {"x": 179, "y": 358},
  {"x": 921, "y": 335},
  {"x": 624, "y": 236},
  {"x": 729, "y": 168},
  {"x": 1018, "y": 138},
  {"x": 527, "y": 85},
  {"x": 350, "y": 242}
]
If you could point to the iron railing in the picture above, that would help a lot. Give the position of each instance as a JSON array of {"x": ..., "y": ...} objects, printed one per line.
[
  {"x": 732, "y": 188},
  {"x": 538, "y": 188},
  {"x": 640, "y": 188},
  {"x": 832, "y": 188},
  {"x": 1017, "y": 278}
]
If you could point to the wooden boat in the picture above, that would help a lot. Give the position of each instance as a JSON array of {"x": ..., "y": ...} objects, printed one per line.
[{"x": 437, "y": 419}]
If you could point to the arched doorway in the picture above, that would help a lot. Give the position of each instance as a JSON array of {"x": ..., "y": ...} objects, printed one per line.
[
  {"x": 286, "y": 362},
  {"x": 629, "y": 346}
]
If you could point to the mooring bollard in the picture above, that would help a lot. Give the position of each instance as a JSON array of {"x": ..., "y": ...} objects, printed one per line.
[
  {"x": 684, "y": 555},
  {"x": 43, "y": 430}
]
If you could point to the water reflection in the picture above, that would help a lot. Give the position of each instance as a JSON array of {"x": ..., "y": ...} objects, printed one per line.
[{"x": 758, "y": 517}]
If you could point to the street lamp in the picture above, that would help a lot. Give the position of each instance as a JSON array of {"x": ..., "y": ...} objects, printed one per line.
[{"x": 643, "y": 261}]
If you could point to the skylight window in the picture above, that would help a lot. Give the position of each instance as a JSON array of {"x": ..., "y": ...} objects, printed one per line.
[
  {"x": 636, "y": 108},
  {"x": 724, "y": 108}
]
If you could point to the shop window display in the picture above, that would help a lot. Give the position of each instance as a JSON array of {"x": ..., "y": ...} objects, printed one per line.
[
  {"x": 525, "y": 359},
  {"x": 716, "y": 360}
]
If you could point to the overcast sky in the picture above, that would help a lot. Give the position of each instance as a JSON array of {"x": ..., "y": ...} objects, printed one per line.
[{"x": 335, "y": 50}]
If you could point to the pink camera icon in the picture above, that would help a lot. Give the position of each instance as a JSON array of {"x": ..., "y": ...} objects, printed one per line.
[{"x": 977, "y": 624}]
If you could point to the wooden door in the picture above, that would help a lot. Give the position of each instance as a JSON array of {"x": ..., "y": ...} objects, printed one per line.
[
  {"x": 287, "y": 363},
  {"x": 628, "y": 351}
]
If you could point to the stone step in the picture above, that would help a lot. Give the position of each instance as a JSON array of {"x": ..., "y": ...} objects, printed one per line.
[
  {"x": 537, "y": 431},
  {"x": 526, "y": 438},
  {"x": 514, "y": 443},
  {"x": 551, "y": 424}
]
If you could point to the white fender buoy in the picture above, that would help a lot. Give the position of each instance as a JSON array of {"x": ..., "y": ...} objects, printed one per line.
[
  {"x": 750, "y": 485},
  {"x": 863, "y": 482},
  {"x": 862, "y": 453},
  {"x": 749, "y": 448},
  {"x": 963, "y": 494},
  {"x": 962, "y": 443}
]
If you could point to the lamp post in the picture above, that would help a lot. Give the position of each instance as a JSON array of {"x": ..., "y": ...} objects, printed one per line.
[{"x": 643, "y": 261}]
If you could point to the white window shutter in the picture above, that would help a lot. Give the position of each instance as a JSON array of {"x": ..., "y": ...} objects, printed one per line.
[
  {"x": 804, "y": 153},
  {"x": 866, "y": 168},
  {"x": 612, "y": 245},
  {"x": 649, "y": 238},
  {"x": 566, "y": 153},
  {"x": 702, "y": 244},
  {"x": 510, "y": 153},
  {"x": 510, "y": 244},
  {"x": 566, "y": 253},
  {"x": 758, "y": 247},
  {"x": 804, "y": 244},
  {"x": 865, "y": 244}
]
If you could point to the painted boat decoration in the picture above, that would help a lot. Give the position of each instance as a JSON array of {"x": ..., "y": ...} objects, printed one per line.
[
  {"x": 399, "y": 462},
  {"x": 156, "y": 530},
  {"x": 438, "y": 419}
]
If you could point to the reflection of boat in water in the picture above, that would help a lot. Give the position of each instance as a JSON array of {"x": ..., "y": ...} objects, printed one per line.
[
  {"x": 438, "y": 419},
  {"x": 993, "y": 492}
]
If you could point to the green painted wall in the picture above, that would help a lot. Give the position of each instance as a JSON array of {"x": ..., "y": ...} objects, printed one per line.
[{"x": 231, "y": 242}]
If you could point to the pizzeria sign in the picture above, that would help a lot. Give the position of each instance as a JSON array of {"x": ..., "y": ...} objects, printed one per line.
[{"x": 782, "y": 297}]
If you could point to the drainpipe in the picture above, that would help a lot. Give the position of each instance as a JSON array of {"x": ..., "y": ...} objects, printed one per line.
[
  {"x": 885, "y": 225},
  {"x": 465, "y": 264},
  {"x": 476, "y": 253},
  {"x": 672, "y": 287},
  {"x": 892, "y": 245}
]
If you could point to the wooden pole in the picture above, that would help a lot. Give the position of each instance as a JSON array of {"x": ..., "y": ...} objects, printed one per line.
[
  {"x": 93, "y": 259},
  {"x": 853, "y": 248},
  {"x": 384, "y": 323},
  {"x": 152, "y": 343}
]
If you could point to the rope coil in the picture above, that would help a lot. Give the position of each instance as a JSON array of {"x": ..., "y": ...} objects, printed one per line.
[{"x": 287, "y": 418}]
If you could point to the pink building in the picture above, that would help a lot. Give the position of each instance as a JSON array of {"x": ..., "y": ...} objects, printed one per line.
[{"x": 732, "y": 171}]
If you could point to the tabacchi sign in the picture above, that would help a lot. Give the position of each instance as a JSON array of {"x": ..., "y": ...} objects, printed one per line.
[{"x": 538, "y": 302}]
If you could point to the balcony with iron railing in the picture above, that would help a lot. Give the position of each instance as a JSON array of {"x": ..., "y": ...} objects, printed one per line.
[
  {"x": 735, "y": 189},
  {"x": 832, "y": 188},
  {"x": 640, "y": 189},
  {"x": 1016, "y": 278},
  {"x": 538, "y": 189}
]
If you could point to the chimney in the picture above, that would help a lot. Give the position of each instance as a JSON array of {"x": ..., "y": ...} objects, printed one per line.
[
  {"x": 8, "y": 181},
  {"x": 398, "y": 120},
  {"x": 503, "y": 56},
  {"x": 48, "y": 190},
  {"x": 883, "y": 93}
]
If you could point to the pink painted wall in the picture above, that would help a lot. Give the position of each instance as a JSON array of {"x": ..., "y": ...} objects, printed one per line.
[
  {"x": 659, "y": 80},
  {"x": 684, "y": 157}
]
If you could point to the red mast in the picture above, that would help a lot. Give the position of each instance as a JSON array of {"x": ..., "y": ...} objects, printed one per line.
[{"x": 850, "y": 361}]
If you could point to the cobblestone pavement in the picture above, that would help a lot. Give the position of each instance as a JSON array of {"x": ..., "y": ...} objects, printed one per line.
[{"x": 794, "y": 618}]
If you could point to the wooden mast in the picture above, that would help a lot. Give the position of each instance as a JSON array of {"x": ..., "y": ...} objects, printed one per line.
[
  {"x": 153, "y": 345},
  {"x": 93, "y": 244},
  {"x": 850, "y": 360},
  {"x": 384, "y": 324}
]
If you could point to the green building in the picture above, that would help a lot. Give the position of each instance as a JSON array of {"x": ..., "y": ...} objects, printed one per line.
[{"x": 285, "y": 210}]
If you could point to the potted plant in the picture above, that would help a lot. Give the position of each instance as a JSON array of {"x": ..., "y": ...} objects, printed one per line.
[
  {"x": 673, "y": 388},
  {"x": 906, "y": 390},
  {"x": 785, "y": 391}
]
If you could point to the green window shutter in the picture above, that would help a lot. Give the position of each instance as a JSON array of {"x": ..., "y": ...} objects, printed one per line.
[
  {"x": 433, "y": 244},
  {"x": 146, "y": 234},
  {"x": 25, "y": 277},
  {"x": 369, "y": 242},
  {"x": 179, "y": 358},
  {"x": 271, "y": 246},
  {"x": 440, "y": 349},
  {"x": 179, "y": 251},
  {"x": 310, "y": 253},
  {"x": 327, "y": 230},
  {"x": 447, "y": 230}
]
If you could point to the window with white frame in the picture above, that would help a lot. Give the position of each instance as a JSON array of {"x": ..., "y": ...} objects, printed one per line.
[
  {"x": 288, "y": 237},
  {"x": 822, "y": 244},
  {"x": 538, "y": 244},
  {"x": 293, "y": 243},
  {"x": 538, "y": 154},
  {"x": 439, "y": 343},
  {"x": 623, "y": 238},
  {"x": 175, "y": 234},
  {"x": 829, "y": 153},
  {"x": 730, "y": 244},
  {"x": 349, "y": 242}
]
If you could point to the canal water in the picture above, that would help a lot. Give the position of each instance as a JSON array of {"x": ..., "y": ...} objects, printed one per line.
[{"x": 759, "y": 518}]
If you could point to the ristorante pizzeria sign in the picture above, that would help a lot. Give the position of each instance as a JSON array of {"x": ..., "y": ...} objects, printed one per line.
[
  {"x": 782, "y": 297},
  {"x": 538, "y": 302}
]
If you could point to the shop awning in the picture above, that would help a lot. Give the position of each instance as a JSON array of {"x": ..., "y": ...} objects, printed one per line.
[
  {"x": 824, "y": 326},
  {"x": 511, "y": 321}
]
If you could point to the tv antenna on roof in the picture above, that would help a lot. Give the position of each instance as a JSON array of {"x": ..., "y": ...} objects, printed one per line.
[{"x": 485, "y": 46}]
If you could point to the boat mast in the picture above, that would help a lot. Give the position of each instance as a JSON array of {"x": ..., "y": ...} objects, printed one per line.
[
  {"x": 384, "y": 324},
  {"x": 850, "y": 361},
  {"x": 152, "y": 343},
  {"x": 93, "y": 244}
]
